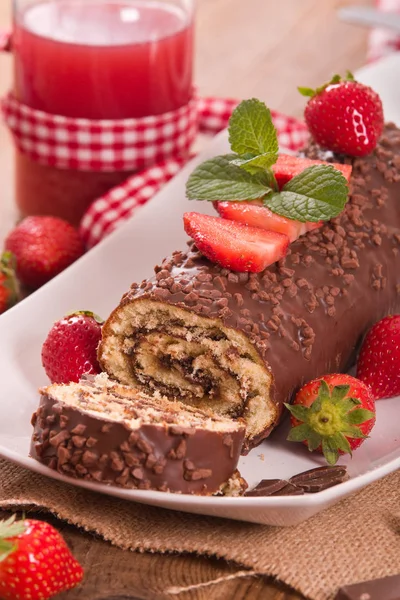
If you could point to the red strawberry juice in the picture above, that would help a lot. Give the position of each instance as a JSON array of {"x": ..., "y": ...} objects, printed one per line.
[{"x": 99, "y": 59}]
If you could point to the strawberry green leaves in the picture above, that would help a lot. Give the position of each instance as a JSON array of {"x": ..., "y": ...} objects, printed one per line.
[
  {"x": 318, "y": 193},
  {"x": 310, "y": 92},
  {"x": 8, "y": 529},
  {"x": 331, "y": 423}
]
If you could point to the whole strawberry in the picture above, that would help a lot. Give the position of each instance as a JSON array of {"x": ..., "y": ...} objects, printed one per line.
[
  {"x": 43, "y": 247},
  {"x": 35, "y": 561},
  {"x": 332, "y": 414},
  {"x": 70, "y": 349},
  {"x": 9, "y": 288},
  {"x": 344, "y": 116},
  {"x": 378, "y": 363}
]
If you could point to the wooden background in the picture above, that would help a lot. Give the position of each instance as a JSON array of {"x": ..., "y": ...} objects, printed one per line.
[{"x": 245, "y": 48}]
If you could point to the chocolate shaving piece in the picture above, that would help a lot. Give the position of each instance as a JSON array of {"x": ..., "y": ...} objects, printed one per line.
[
  {"x": 319, "y": 472},
  {"x": 311, "y": 481},
  {"x": 267, "y": 487},
  {"x": 387, "y": 588},
  {"x": 320, "y": 478},
  {"x": 317, "y": 485},
  {"x": 289, "y": 490}
]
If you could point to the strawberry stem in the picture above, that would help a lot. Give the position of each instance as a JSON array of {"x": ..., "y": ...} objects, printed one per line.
[
  {"x": 310, "y": 92},
  {"x": 330, "y": 422}
]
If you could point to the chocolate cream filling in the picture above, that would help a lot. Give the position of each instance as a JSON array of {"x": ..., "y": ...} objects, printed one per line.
[{"x": 241, "y": 344}]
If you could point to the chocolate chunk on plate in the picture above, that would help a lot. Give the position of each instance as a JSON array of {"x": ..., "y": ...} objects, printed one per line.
[
  {"x": 387, "y": 588},
  {"x": 320, "y": 478},
  {"x": 311, "y": 481},
  {"x": 289, "y": 490},
  {"x": 275, "y": 487},
  {"x": 267, "y": 487}
]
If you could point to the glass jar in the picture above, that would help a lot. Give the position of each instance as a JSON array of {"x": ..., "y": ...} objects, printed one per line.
[{"x": 96, "y": 59}]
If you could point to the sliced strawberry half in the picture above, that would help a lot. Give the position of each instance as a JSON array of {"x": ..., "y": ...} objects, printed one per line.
[
  {"x": 233, "y": 245},
  {"x": 256, "y": 215},
  {"x": 288, "y": 166}
]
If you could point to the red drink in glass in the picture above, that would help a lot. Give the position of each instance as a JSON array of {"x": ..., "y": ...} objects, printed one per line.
[{"x": 98, "y": 59}]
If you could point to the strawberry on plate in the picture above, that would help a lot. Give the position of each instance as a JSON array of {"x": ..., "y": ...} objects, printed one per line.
[
  {"x": 378, "y": 363},
  {"x": 288, "y": 166},
  {"x": 9, "y": 288},
  {"x": 256, "y": 215},
  {"x": 70, "y": 349},
  {"x": 35, "y": 561},
  {"x": 43, "y": 247},
  {"x": 344, "y": 116},
  {"x": 332, "y": 414},
  {"x": 234, "y": 245}
]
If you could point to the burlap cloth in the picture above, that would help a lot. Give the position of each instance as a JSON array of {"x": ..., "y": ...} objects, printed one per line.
[{"x": 355, "y": 540}]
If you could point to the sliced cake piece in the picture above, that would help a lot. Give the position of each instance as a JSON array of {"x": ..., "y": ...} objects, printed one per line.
[{"x": 102, "y": 431}]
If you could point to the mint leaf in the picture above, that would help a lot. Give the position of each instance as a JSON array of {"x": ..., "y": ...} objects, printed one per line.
[
  {"x": 317, "y": 193},
  {"x": 256, "y": 163},
  {"x": 219, "y": 179},
  {"x": 251, "y": 131}
]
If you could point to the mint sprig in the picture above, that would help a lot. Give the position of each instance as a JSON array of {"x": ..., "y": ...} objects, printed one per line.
[{"x": 318, "y": 193}]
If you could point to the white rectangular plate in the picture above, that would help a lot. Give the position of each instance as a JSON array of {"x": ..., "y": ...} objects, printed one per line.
[{"x": 98, "y": 280}]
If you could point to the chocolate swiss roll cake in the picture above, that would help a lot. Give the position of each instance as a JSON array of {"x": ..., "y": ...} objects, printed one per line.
[
  {"x": 108, "y": 433},
  {"x": 240, "y": 344}
]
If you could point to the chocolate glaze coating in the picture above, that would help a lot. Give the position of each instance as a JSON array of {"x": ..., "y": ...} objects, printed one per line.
[
  {"x": 160, "y": 456},
  {"x": 307, "y": 313}
]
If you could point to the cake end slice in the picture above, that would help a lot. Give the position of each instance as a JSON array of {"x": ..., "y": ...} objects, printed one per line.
[{"x": 109, "y": 433}]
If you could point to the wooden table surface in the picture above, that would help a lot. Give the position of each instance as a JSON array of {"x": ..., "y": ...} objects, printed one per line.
[{"x": 252, "y": 48}]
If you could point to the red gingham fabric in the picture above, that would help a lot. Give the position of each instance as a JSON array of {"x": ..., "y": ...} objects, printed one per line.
[
  {"x": 383, "y": 42},
  {"x": 101, "y": 145},
  {"x": 114, "y": 208},
  {"x": 119, "y": 204}
]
